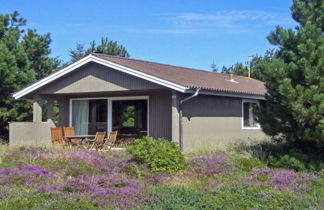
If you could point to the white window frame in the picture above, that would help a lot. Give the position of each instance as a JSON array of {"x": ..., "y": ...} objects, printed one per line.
[
  {"x": 257, "y": 127},
  {"x": 109, "y": 108}
]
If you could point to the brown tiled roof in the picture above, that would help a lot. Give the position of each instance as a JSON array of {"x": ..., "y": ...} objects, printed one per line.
[{"x": 192, "y": 78}]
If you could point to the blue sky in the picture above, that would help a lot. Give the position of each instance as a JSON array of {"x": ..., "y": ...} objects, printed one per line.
[{"x": 190, "y": 33}]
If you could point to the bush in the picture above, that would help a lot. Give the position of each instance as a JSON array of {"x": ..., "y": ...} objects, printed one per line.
[
  {"x": 158, "y": 154},
  {"x": 246, "y": 163},
  {"x": 296, "y": 160},
  {"x": 289, "y": 156}
]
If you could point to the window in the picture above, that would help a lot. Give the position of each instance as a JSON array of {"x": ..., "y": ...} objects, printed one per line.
[
  {"x": 129, "y": 116},
  {"x": 249, "y": 119},
  {"x": 89, "y": 116}
]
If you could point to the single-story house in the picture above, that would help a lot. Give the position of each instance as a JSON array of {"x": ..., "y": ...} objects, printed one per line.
[{"x": 195, "y": 108}]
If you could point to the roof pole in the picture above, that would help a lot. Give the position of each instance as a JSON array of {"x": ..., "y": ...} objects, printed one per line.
[{"x": 181, "y": 116}]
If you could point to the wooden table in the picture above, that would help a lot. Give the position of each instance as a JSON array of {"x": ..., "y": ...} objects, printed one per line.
[{"x": 81, "y": 137}]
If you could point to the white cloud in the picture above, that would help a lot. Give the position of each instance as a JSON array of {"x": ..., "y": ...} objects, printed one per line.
[
  {"x": 233, "y": 21},
  {"x": 229, "y": 19}
]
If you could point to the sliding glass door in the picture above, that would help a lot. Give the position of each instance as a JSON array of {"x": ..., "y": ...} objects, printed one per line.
[
  {"x": 89, "y": 116},
  {"x": 128, "y": 117}
]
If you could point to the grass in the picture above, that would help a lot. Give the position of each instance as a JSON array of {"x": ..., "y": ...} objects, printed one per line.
[{"x": 39, "y": 178}]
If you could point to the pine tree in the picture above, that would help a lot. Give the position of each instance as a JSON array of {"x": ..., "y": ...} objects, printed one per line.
[
  {"x": 256, "y": 64},
  {"x": 38, "y": 51},
  {"x": 23, "y": 59},
  {"x": 106, "y": 46},
  {"x": 295, "y": 78}
]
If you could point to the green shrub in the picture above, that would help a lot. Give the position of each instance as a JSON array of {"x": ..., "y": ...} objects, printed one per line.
[
  {"x": 295, "y": 160},
  {"x": 283, "y": 155},
  {"x": 246, "y": 163},
  {"x": 158, "y": 154}
]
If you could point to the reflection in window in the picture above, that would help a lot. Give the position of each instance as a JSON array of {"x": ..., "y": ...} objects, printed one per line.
[
  {"x": 130, "y": 117},
  {"x": 249, "y": 119}
]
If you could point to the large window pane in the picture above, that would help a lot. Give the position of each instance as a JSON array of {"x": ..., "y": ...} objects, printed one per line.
[
  {"x": 129, "y": 117},
  {"x": 97, "y": 116},
  {"x": 80, "y": 116}
]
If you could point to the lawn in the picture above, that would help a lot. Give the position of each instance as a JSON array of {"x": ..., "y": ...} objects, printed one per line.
[{"x": 39, "y": 178}]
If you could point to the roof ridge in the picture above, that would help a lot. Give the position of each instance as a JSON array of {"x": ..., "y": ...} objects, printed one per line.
[{"x": 153, "y": 62}]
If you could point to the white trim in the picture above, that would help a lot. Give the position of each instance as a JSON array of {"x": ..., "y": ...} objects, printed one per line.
[
  {"x": 242, "y": 118},
  {"x": 91, "y": 58},
  {"x": 109, "y": 108},
  {"x": 109, "y": 119},
  {"x": 244, "y": 96}
]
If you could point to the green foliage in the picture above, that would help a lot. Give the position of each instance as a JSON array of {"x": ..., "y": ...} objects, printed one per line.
[
  {"x": 168, "y": 197},
  {"x": 295, "y": 78},
  {"x": 255, "y": 65},
  {"x": 228, "y": 197},
  {"x": 295, "y": 160},
  {"x": 24, "y": 57},
  {"x": 286, "y": 156},
  {"x": 43, "y": 201},
  {"x": 158, "y": 154},
  {"x": 106, "y": 46},
  {"x": 248, "y": 197},
  {"x": 246, "y": 163},
  {"x": 37, "y": 48},
  {"x": 183, "y": 190},
  {"x": 67, "y": 205}
]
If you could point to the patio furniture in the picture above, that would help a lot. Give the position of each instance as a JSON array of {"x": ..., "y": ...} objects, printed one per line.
[
  {"x": 57, "y": 136},
  {"x": 84, "y": 139},
  {"x": 111, "y": 140},
  {"x": 98, "y": 140},
  {"x": 69, "y": 131}
]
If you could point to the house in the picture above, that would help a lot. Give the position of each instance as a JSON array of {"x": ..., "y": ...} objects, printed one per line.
[{"x": 195, "y": 108}]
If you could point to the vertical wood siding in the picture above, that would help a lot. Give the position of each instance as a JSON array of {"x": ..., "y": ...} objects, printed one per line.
[{"x": 97, "y": 78}]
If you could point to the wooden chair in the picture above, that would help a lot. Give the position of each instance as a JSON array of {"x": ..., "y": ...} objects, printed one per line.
[
  {"x": 69, "y": 131},
  {"x": 111, "y": 140},
  {"x": 99, "y": 140},
  {"x": 57, "y": 136}
]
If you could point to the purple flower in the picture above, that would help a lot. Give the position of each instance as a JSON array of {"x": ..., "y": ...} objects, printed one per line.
[
  {"x": 261, "y": 172},
  {"x": 46, "y": 188},
  {"x": 7, "y": 172},
  {"x": 35, "y": 170},
  {"x": 23, "y": 175},
  {"x": 5, "y": 192},
  {"x": 282, "y": 179},
  {"x": 106, "y": 190},
  {"x": 210, "y": 165},
  {"x": 252, "y": 182}
]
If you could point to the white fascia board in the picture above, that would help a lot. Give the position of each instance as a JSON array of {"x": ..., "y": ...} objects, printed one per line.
[
  {"x": 95, "y": 59},
  {"x": 235, "y": 95},
  {"x": 140, "y": 74}
]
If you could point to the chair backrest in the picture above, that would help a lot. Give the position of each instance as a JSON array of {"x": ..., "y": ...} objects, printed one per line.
[
  {"x": 99, "y": 138},
  {"x": 68, "y": 131},
  {"x": 57, "y": 135},
  {"x": 112, "y": 138}
]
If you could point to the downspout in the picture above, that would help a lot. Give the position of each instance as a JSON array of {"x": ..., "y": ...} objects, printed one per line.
[{"x": 180, "y": 116}]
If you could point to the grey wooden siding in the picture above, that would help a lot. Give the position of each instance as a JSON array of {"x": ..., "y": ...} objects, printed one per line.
[
  {"x": 96, "y": 78},
  {"x": 214, "y": 120},
  {"x": 160, "y": 115}
]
